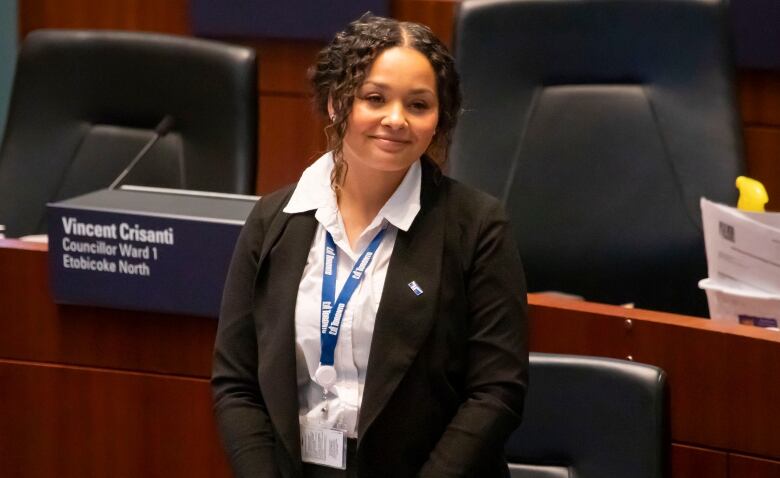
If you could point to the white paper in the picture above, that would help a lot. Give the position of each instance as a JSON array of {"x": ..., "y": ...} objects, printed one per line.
[
  {"x": 741, "y": 305},
  {"x": 742, "y": 251}
]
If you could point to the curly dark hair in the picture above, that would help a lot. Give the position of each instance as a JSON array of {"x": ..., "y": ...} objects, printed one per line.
[{"x": 342, "y": 66}]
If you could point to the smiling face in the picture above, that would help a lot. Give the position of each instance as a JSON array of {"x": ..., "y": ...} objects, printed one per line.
[{"x": 394, "y": 113}]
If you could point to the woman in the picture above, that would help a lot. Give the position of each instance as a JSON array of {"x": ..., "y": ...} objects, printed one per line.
[{"x": 374, "y": 315}]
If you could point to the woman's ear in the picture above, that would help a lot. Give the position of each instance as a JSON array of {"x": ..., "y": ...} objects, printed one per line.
[{"x": 331, "y": 111}]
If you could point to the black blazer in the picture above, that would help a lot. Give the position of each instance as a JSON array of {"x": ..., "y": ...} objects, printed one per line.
[{"x": 447, "y": 372}]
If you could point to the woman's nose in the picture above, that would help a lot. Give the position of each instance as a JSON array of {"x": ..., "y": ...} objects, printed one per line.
[{"x": 395, "y": 116}]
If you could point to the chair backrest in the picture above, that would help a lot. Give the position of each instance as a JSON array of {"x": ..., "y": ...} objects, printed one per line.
[
  {"x": 589, "y": 417},
  {"x": 85, "y": 102},
  {"x": 601, "y": 123}
]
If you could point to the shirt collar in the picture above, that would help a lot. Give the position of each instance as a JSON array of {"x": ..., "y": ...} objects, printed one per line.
[
  {"x": 314, "y": 192},
  {"x": 403, "y": 206}
]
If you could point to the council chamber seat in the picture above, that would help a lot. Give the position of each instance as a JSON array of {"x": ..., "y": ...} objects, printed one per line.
[
  {"x": 601, "y": 123},
  {"x": 591, "y": 417},
  {"x": 84, "y": 103}
]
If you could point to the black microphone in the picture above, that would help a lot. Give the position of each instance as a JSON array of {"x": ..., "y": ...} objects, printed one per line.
[{"x": 162, "y": 128}]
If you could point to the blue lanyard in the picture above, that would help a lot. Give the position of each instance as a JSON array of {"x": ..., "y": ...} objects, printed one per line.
[{"x": 332, "y": 313}]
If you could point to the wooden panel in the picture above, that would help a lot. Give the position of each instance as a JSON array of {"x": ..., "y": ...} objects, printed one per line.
[
  {"x": 719, "y": 374},
  {"x": 688, "y": 461},
  {"x": 439, "y": 15},
  {"x": 77, "y": 422},
  {"x": 715, "y": 379},
  {"x": 695, "y": 378},
  {"x": 291, "y": 138},
  {"x": 762, "y": 147},
  {"x": 748, "y": 467},
  {"x": 722, "y": 379},
  {"x": 169, "y": 16},
  {"x": 284, "y": 65},
  {"x": 583, "y": 336},
  {"x": 36, "y": 329},
  {"x": 759, "y": 96}
]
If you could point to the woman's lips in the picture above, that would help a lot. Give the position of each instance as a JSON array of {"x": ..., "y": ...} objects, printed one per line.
[{"x": 390, "y": 144}]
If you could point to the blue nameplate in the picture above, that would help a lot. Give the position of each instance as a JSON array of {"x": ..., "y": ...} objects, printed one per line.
[{"x": 144, "y": 249}]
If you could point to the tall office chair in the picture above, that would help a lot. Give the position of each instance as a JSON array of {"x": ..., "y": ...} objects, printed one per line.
[
  {"x": 589, "y": 417},
  {"x": 601, "y": 123},
  {"x": 85, "y": 102}
]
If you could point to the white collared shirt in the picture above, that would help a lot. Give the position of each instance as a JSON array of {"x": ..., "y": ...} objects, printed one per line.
[{"x": 314, "y": 192}]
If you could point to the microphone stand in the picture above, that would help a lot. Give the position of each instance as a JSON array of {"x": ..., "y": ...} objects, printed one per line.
[{"x": 163, "y": 128}]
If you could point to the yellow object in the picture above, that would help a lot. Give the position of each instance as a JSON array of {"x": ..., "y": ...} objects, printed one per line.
[{"x": 752, "y": 195}]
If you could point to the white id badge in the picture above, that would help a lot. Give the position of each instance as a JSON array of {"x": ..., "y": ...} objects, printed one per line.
[{"x": 324, "y": 446}]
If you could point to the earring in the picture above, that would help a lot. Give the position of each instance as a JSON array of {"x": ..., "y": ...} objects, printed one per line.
[{"x": 332, "y": 117}]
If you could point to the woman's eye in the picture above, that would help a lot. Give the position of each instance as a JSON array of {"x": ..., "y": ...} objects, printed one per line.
[
  {"x": 374, "y": 99},
  {"x": 419, "y": 106}
]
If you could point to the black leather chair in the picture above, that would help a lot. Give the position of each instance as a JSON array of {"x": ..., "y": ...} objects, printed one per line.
[
  {"x": 601, "y": 123},
  {"x": 589, "y": 417},
  {"x": 85, "y": 102}
]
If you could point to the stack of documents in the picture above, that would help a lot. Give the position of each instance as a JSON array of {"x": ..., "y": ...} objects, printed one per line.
[{"x": 743, "y": 262}]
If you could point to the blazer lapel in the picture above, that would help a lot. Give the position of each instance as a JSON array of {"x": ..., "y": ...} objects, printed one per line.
[
  {"x": 404, "y": 319},
  {"x": 283, "y": 257}
]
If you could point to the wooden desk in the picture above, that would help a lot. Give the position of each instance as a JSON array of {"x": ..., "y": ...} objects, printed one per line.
[
  {"x": 90, "y": 392},
  {"x": 724, "y": 379},
  {"x": 99, "y": 392}
]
